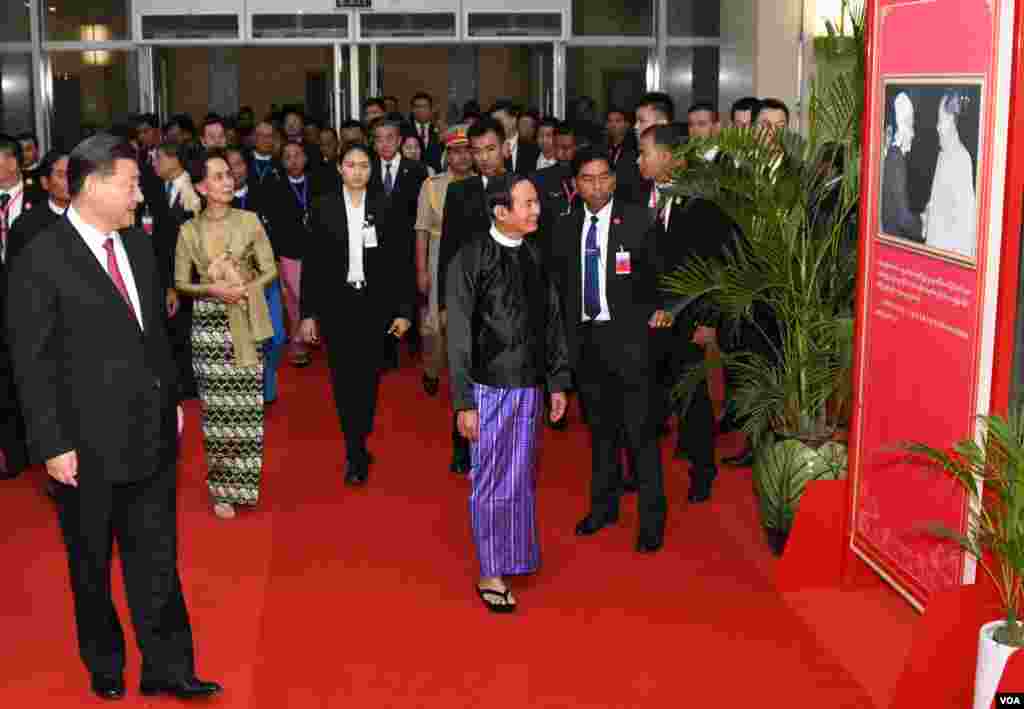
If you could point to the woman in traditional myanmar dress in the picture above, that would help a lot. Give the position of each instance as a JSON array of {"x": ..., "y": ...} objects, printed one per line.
[{"x": 232, "y": 255}]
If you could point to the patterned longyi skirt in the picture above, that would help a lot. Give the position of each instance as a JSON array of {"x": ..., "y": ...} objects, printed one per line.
[{"x": 232, "y": 408}]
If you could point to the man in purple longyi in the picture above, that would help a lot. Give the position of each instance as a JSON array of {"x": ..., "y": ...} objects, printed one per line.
[{"x": 506, "y": 340}]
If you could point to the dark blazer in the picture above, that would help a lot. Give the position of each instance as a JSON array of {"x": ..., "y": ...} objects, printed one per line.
[
  {"x": 30, "y": 223},
  {"x": 403, "y": 203},
  {"x": 326, "y": 179},
  {"x": 289, "y": 233},
  {"x": 90, "y": 380},
  {"x": 434, "y": 149},
  {"x": 465, "y": 214},
  {"x": 554, "y": 189},
  {"x": 697, "y": 228},
  {"x": 167, "y": 221},
  {"x": 274, "y": 171},
  {"x": 388, "y": 294},
  {"x": 897, "y": 219},
  {"x": 632, "y": 298},
  {"x": 526, "y": 159}
]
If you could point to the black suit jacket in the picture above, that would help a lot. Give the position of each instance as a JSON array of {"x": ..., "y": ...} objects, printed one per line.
[
  {"x": 434, "y": 149},
  {"x": 897, "y": 219},
  {"x": 167, "y": 221},
  {"x": 26, "y": 226},
  {"x": 89, "y": 378},
  {"x": 526, "y": 159},
  {"x": 557, "y": 197},
  {"x": 465, "y": 214},
  {"x": 632, "y": 298},
  {"x": 402, "y": 203},
  {"x": 290, "y": 233},
  {"x": 697, "y": 228},
  {"x": 388, "y": 293}
]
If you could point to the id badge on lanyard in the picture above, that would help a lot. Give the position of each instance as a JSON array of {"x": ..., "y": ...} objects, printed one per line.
[{"x": 303, "y": 199}]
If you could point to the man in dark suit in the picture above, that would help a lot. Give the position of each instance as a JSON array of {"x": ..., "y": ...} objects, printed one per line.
[
  {"x": 520, "y": 156},
  {"x": 623, "y": 152},
  {"x": 53, "y": 180},
  {"x": 422, "y": 121},
  {"x": 466, "y": 214},
  {"x": 686, "y": 228},
  {"x": 263, "y": 167},
  {"x": 400, "y": 181},
  {"x": 172, "y": 201},
  {"x": 15, "y": 205},
  {"x": 607, "y": 266},
  {"x": 556, "y": 187},
  {"x": 99, "y": 392}
]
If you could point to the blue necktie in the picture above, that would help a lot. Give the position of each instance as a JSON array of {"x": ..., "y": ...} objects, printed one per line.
[
  {"x": 388, "y": 182},
  {"x": 592, "y": 274}
]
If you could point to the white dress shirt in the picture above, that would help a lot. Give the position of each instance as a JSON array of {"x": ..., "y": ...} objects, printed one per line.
[
  {"x": 543, "y": 162},
  {"x": 513, "y": 145},
  {"x": 95, "y": 240},
  {"x": 59, "y": 211},
  {"x": 394, "y": 163},
  {"x": 177, "y": 186},
  {"x": 604, "y": 219},
  {"x": 356, "y": 217},
  {"x": 504, "y": 240},
  {"x": 423, "y": 131},
  {"x": 17, "y": 203}
]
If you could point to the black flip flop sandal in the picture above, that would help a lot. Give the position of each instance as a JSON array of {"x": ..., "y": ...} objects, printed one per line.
[{"x": 507, "y": 607}]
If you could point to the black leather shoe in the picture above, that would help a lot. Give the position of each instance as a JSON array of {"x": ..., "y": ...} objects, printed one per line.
[
  {"x": 591, "y": 525},
  {"x": 108, "y": 686},
  {"x": 649, "y": 545},
  {"x": 699, "y": 493},
  {"x": 559, "y": 425},
  {"x": 431, "y": 385},
  {"x": 355, "y": 475},
  {"x": 191, "y": 688},
  {"x": 742, "y": 460}
]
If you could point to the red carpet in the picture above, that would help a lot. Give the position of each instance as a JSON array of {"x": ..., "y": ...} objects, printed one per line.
[{"x": 328, "y": 597}]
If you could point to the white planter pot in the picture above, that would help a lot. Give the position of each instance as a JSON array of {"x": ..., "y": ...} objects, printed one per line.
[{"x": 992, "y": 659}]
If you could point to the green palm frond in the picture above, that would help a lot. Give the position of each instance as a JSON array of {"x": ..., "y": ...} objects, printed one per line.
[
  {"x": 991, "y": 473},
  {"x": 794, "y": 200}
]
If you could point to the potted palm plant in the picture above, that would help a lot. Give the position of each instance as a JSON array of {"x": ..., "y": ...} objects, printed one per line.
[
  {"x": 786, "y": 288},
  {"x": 787, "y": 285},
  {"x": 992, "y": 475}
]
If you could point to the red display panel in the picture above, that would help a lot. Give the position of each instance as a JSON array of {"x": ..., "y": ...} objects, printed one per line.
[{"x": 927, "y": 293}]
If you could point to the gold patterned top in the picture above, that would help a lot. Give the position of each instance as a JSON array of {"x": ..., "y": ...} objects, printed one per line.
[{"x": 233, "y": 250}]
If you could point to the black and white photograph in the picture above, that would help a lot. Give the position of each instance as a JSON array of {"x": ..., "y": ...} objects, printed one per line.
[{"x": 929, "y": 176}]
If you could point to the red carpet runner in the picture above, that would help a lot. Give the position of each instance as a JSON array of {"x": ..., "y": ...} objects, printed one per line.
[{"x": 330, "y": 597}]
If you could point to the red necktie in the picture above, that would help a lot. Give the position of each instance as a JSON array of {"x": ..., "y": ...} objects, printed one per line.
[{"x": 115, "y": 275}]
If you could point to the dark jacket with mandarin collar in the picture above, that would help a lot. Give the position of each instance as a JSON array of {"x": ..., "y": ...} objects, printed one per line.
[{"x": 505, "y": 324}]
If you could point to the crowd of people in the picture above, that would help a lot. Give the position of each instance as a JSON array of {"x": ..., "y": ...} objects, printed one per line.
[{"x": 521, "y": 252}]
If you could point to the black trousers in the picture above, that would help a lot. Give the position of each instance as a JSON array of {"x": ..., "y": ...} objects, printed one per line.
[
  {"x": 619, "y": 394},
  {"x": 355, "y": 356},
  {"x": 697, "y": 437},
  {"x": 142, "y": 518},
  {"x": 697, "y": 426},
  {"x": 12, "y": 423},
  {"x": 179, "y": 328}
]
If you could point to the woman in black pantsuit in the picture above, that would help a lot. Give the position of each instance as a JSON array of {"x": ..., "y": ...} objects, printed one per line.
[{"x": 353, "y": 294}]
